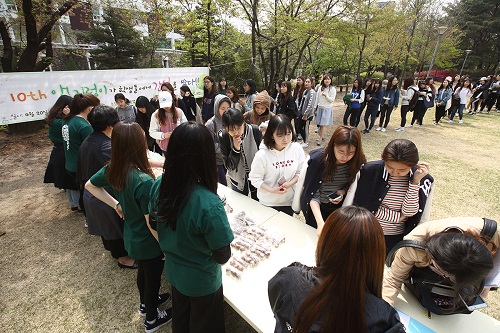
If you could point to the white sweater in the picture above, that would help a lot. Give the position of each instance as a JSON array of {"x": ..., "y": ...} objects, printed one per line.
[
  {"x": 154, "y": 125},
  {"x": 325, "y": 101},
  {"x": 269, "y": 165}
]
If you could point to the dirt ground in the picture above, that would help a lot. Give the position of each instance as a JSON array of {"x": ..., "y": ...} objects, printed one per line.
[{"x": 55, "y": 277}]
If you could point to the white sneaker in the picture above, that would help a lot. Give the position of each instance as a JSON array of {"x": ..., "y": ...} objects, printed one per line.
[
  {"x": 409, "y": 126},
  {"x": 449, "y": 121},
  {"x": 378, "y": 129},
  {"x": 304, "y": 145},
  {"x": 420, "y": 126},
  {"x": 400, "y": 129},
  {"x": 383, "y": 129},
  {"x": 434, "y": 123},
  {"x": 460, "y": 121}
]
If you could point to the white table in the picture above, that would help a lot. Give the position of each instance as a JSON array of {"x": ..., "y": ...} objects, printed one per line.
[
  {"x": 248, "y": 295},
  {"x": 239, "y": 202}
]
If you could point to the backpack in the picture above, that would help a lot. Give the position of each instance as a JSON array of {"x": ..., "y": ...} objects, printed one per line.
[
  {"x": 414, "y": 99},
  {"x": 434, "y": 292}
]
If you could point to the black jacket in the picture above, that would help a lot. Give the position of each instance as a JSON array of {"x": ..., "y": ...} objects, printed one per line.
[
  {"x": 372, "y": 187},
  {"x": 288, "y": 108},
  {"x": 289, "y": 288}
]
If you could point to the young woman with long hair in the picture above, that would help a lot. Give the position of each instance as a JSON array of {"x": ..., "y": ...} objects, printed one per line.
[
  {"x": 298, "y": 93},
  {"x": 354, "y": 109},
  {"x": 214, "y": 124},
  {"x": 126, "y": 112},
  {"x": 165, "y": 120},
  {"x": 398, "y": 189},
  {"x": 464, "y": 92},
  {"x": 232, "y": 94},
  {"x": 367, "y": 86},
  {"x": 373, "y": 97},
  {"x": 276, "y": 166},
  {"x": 455, "y": 249},
  {"x": 193, "y": 230},
  {"x": 143, "y": 118},
  {"x": 130, "y": 177},
  {"x": 390, "y": 101},
  {"x": 179, "y": 103},
  {"x": 343, "y": 292},
  {"x": 424, "y": 92},
  {"x": 286, "y": 103},
  {"x": 327, "y": 175},
  {"x": 408, "y": 89},
  {"x": 222, "y": 86},
  {"x": 325, "y": 96},
  {"x": 56, "y": 171},
  {"x": 306, "y": 110},
  {"x": 189, "y": 101},
  {"x": 209, "y": 92},
  {"x": 74, "y": 130},
  {"x": 250, "y": 89},
  {"x": 443, "y": 95}
]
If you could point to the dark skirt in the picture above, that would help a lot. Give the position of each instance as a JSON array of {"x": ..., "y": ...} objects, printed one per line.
[
  {"x": 56, "y": 171},
  {"x": 102, "y": 220}
]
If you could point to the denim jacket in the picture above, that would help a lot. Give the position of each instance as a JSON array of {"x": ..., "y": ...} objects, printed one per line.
[
  {"x": 393, "y": 94},
  {"x": 443, "y": 95}
]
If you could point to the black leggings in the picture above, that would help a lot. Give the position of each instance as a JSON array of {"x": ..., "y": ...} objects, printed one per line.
[
  {"x": 148, "y": 282},
  {"x": 115, "y": 246},
  {"x": 419, "y": 113},
  {"x": 404, "y": 111},
  {"x": 370, "y": 112},
  {"x": 385, "y": 112},
  {"x": 354, "y": 113}
]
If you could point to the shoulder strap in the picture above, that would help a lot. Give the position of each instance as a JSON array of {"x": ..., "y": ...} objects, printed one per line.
[
  {"x": 256, "y": 132},
  {"x": 403, "y": 243},
  {"x": 489, "y": 228}
]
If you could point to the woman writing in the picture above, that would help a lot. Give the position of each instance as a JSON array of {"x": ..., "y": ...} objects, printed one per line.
[
  {"x": 193, "y": 230},
  {"x": 130, "y": 178},
  {"x": 327, "y": 175},
  {"x": 455, "y": 249},
  {"x": 397, "y": 189},
  {"x": 165, "y": 120},
  {"x": 342, "y": 293},
  {"x": 276, "y": 166}
]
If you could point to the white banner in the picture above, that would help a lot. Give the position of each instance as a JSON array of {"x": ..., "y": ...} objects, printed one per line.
[{"x": 28, "y": 96}]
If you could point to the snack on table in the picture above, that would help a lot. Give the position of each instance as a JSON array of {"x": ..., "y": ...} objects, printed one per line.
[{"x": 233, "y": 272}]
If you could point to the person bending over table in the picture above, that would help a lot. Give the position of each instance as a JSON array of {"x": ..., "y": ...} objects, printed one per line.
[
  {"x": 342, "y": 293},
  {"x": 455, "y": 249},
  {"x": 276, "y": 166},
  {"x": 397, "y": 190},
  {"x": 327, "y": 175},
  {"x": 193, "y": 230}
]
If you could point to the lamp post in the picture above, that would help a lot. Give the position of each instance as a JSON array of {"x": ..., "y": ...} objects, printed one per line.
[
  {"x": 441, "y": 31},
  {"x": 466, "y": 55}
]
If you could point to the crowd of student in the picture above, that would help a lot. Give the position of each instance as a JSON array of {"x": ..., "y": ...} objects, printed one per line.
[{"x": 103, "y": 158}]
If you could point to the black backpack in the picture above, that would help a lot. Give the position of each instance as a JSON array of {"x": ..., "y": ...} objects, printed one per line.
[
  {"x": 414, "y": 99},
  {"x": 436, "y": 293}
]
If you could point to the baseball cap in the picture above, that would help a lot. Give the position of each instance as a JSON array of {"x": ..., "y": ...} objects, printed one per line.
[{"x": 165, "y": 99}]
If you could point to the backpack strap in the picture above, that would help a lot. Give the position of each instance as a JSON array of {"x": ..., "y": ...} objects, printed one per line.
[
  {"x": 489, "y": 228},
  {"x": 403, "y": 243}
]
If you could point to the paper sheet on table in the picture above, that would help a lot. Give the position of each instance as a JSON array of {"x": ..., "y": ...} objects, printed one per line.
[{"x": 412, "y": 325}]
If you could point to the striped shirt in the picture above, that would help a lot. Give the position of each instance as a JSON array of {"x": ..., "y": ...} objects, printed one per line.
[
  {"x": 338, "y": 182},
  {"x": 400, "y": 203}
]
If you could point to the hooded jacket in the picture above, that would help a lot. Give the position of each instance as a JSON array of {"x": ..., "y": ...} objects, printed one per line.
[
  {"x": 269, "y": 165},
  {"x": 252, "y": 117},
  {"x": 214, "y": 124}
]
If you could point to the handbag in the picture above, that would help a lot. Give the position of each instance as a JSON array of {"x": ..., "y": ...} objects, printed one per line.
[{"x": 429, "y": 103}]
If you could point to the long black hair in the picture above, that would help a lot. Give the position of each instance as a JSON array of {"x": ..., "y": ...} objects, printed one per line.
[
  {"x": 189, "y": 161},
  {"x": 56, "y": 111}
]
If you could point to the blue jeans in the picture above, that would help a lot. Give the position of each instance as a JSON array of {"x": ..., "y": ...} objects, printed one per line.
[
  {"x": 73, "y": 197},
  {"x": 460, "y": 112}
]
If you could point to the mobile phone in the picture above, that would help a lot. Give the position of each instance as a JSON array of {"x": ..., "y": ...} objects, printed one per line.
[
  {"x": 281, "y": 181},
  {"x": 478, "y": 304},
  {"x": 334, "y": 196}
]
